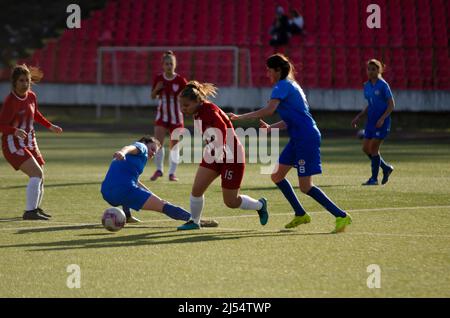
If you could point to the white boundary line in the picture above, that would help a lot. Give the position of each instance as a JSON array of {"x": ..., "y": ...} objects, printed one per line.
[{"x": 68, "y": 224}]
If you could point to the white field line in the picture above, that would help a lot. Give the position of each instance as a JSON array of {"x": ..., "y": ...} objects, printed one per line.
[{"x": 69, "y": 224}]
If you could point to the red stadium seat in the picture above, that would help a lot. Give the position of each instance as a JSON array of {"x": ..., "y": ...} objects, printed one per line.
[{"x": 413, "y": 41}]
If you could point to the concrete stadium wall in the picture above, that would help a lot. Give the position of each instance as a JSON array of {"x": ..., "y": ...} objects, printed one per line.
[{"x": 319, "y": 99}]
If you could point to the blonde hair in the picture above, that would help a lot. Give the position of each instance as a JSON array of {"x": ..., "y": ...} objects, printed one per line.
[
  {"x": 198, "y": 91},
  {"x": 34, "y": 73},
  {"x": 169, "y": 55},
  {"x": 379, "y": 65}
]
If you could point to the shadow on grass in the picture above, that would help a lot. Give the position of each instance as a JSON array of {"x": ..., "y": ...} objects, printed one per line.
[
  {"x": 154, "y": 238},
  {"x": 14, "y": 219},
  {"x": 56, "y": 185},
  {"x": 337, "y": 185},
  {"x": 58, "y": 228},
  {"x": 81, "y": 227}
]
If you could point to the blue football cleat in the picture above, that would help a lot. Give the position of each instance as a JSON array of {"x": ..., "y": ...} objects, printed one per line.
[
  {"x": 386, "y": 174},
  {"x": 190, "y": 225},
  {"x": 263, "y": 214},
  {"x": 370, "y": 182}
]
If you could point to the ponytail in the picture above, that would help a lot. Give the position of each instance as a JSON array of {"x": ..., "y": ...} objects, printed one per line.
[
  {"x": 35, "y": 73},
  {"x": 281, "y": 62},
  {"x": 198, "y": 91}
]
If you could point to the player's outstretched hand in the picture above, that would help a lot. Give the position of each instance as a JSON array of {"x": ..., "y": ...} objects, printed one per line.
[
  {"x": 20, "y": 133},
  {"x": 56, "y": 129},
  {"x": 119, "y": 155},
  {"x": 263, "y": 124},
  {"x": 380, "y": 123},
  {"x": 233, "y": 116},
  {"x": 355, "y": 122}
]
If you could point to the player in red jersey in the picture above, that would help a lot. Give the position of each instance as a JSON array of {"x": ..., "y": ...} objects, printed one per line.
[
  {"x": 17, "y": 117},
  {"x": 224, "y": 155},
  {"x": 167, "y": 87}
]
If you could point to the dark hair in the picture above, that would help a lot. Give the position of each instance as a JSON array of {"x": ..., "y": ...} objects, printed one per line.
[
  {"x": 378, "y": 64},
  {"x": 150, "y": 139},
  {"x": 34, "y": 72},
  {"x": 280, "y": 62},
  {"x": 195, "y": 90}
]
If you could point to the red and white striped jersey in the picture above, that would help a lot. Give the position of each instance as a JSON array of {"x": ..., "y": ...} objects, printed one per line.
[
  {"x": 20, "y": 113},
  {"x": 169, "y": 107}
]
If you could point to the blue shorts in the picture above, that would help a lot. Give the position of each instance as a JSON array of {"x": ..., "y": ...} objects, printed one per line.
[
  {"x": 370, "y": 132},
  {"x": 303, "y": 156},
  {"x": 130, "y": 196}
]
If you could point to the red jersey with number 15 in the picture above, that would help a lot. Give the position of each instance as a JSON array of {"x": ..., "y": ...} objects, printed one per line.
[{"x": 169, "y": 111}]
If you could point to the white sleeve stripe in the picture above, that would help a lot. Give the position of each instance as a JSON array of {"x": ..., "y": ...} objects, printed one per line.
[
  {"x": 173, "y": 118},
  {"x": 11, "y": 146},
  {"x": 30, "y": 140},
  {"x": 165, "y": 110}
]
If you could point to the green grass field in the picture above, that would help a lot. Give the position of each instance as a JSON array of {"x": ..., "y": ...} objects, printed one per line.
[{"x": 404, "y": 227}]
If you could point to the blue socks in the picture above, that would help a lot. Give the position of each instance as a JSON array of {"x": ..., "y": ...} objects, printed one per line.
[
  {"x": 383, "y": 163},
  {"x": 126, "y": 210},
  {"x": 376, "y": 161},
  {"x": 289, "y": 194},
  {"x": 315, "y": 193},
  {"x": 176, "y": 212},
  {"x": 321, "y": 197}
]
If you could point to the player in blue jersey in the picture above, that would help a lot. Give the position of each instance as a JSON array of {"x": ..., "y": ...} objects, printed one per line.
[
  {"x": 380, "y": 106},
  {"x": 122, "y": 186},
  {"x": 303, "y": 148}
]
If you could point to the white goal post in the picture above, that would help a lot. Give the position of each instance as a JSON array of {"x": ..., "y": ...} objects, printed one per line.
[{"x": 129, "y": 65}]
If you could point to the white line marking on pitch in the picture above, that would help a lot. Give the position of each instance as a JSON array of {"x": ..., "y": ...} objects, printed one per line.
[{"x": 68, "y": 224}]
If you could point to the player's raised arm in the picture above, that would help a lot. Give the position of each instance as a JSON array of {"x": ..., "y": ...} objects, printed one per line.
[
  {"x": 260, "y": 113},
  {"x": 120, "y": 155},
  {"x": 39, "y": 118},
  {"x": 278, "y": 125},
  {"x": 142, "y": 186}
]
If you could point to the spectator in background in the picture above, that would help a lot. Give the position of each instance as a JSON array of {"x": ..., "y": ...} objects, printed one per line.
[
  {"x": 296, "y": 22},
  {"x": 280, "y": 28}
]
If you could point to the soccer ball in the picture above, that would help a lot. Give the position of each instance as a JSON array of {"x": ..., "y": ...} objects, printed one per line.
[
  {"x": 360, "y": 134},
  {"x": 113, "y": 219}
]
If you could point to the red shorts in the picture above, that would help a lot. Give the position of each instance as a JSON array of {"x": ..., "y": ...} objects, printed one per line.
[
  {"x": 167, "y": 125},
  {"x": 230, "y": 173},
  {"x": 20, "y": 156}
]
